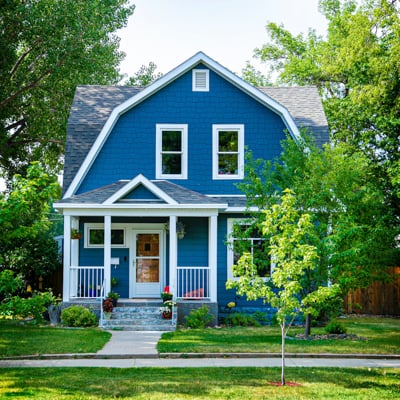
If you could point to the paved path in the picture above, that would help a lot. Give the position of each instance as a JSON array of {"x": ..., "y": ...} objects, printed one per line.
[
  {"x": 127, "y": 349},
  {"x": 204, "y": 362}
]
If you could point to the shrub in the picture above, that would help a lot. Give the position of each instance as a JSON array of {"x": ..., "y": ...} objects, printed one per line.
[
  {"x": 35, "y": 306},
  {"x": 78, "y": 316},
  {"x": 335, "y": 327},
  {"x": 238, "y": 319},
  {"x": 198, "y": 318}
]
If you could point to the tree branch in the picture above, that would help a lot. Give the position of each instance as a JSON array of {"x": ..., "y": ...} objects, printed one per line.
[
  {"x": 23, "y": 56},
  {"x": 30, "y": 86}
]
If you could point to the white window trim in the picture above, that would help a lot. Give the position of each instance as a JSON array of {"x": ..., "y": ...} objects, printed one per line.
[
  {"x": 98, "y": 225},
  {"x": 229, "y": 248},
  {"x": 234, "y": 127},
  {"x": 196, "y": 88},
  {"x": 172, "y": 127}
]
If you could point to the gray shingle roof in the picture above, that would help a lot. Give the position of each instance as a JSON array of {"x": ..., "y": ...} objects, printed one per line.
[
  {"x": 183, "y": 195},
  {"x": 180, "y": 194},
  {"x": 92, "y": 105},
  {"x": 305, "y": 106}
]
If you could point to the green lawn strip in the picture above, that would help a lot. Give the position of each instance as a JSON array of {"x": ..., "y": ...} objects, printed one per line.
[
  {"x": 18, "y": 339},
  {"x": 380, "y": 336},
  {"x": 198, "y": 383}
]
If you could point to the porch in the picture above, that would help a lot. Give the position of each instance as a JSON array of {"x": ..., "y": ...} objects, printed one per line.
[{"x": 90, "y": 282}]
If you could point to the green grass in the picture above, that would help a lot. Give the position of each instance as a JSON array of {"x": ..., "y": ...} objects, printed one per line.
[
  {"x": 198, "y": 383},
  {"x": 26, "y": 339},
  {"x": 382, "y": 336}
]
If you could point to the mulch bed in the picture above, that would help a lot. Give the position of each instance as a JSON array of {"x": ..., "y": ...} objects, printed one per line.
[{"x": 343, "y": 336}]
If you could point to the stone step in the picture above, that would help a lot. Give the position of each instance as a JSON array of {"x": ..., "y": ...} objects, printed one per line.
[{"x": 139, "y": 317}]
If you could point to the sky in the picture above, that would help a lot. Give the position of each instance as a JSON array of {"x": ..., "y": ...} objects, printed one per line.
[{"x": 168, "y": 32}]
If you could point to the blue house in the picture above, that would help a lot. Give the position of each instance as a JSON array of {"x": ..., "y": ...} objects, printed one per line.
[{"x": 150, "y": 179}]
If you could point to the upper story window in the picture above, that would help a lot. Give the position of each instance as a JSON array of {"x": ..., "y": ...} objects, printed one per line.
[
  {"x": 201, "y": 80},
  {"x": 171, "y": 151},
  {"x": 244, "y": 238},
  {"x": 228, "y": 151}
]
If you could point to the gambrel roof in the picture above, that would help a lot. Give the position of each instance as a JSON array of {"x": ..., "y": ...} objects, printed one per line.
[{"x": 95, "y": 110}]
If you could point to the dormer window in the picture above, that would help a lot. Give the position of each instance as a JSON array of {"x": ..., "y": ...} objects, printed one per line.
[
  {"x": 201, "y": 80},
  {"x": 171, "y": 150}
]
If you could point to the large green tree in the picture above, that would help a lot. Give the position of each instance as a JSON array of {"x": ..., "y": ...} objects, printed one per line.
[
  {"x": 354, "y": 231},
  {"x": 144, "y": 76},
  {"x": 47, "y": 47},
  {"x": 356, "y": 67},
  {"x": 27, "y": 245}
]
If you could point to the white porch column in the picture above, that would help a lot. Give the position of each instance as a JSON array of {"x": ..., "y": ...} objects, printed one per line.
[
  {"x": 173, "y": 255},
  {"x": 75, "y": 243},
  {"x": 67, "y": 257},
  {"x": 73, "y": 276},
  {"x": 107, "y": 253},
  {"x": 212, "y": 255}
]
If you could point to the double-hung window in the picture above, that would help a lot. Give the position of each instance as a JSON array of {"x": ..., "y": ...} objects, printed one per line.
[
  {"x": 244, "y": 238},
  {"x": 228, "y": 151},
  {"x": 171, "y": 151}
]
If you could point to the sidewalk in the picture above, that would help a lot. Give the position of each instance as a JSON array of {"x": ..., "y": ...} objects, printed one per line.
[{"x": 127, "y": 349}]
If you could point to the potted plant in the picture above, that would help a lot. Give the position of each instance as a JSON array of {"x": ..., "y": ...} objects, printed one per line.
[
  {"x": 114, "y": 296},
  {"x": 76, "y": 233},
  {"x": 166, "y": 295},
  {"x": 166, "y": 309},
  {"x": 107, "y": 308}
]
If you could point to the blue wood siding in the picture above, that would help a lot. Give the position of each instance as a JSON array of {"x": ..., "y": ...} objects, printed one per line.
[
  {"x": 141, "y": 193},
  {"x": 130, "y": 147},
  {"x": 193, "y": 248}
]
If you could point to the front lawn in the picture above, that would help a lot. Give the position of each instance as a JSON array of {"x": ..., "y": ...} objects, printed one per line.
[
  {"x": 379, "y": 336},
  {"x": 198, "y": 383},
  {"x": 21, "y": 338}
]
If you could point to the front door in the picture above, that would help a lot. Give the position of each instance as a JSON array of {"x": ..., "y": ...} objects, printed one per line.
[{"x": 146, "y": 276}]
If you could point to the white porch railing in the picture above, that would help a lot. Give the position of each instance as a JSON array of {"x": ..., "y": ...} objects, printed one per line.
[
  {"x": 86, "y": 281},
  {"x": 193, "y": 283}
]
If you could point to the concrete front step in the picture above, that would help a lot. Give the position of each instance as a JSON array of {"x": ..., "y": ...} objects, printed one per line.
[{"x": 139, "y": 317}]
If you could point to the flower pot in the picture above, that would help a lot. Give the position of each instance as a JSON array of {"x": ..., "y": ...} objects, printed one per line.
[
  {"x": 107, "y": 315},
  {"x": 167, "y": 314}
]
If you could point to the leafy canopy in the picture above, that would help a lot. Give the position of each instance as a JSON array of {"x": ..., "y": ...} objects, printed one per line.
[
  {"x": 27, "y": 244},
  {"x": 48, "y": 47},
  {"x": 355, "y": 231},
  {"x": 356, "y": 69}
]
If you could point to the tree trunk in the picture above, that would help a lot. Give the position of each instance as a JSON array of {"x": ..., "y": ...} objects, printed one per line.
[
  {"x": 283, "y": 355},
  {"x": 307, "y": 328}
]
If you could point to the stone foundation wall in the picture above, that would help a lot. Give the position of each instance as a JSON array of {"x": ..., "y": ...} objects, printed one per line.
[{"x": 184, "y": 308}]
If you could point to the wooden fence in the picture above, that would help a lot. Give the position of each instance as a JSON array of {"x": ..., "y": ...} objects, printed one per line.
[{"x": 378, "y": 299}]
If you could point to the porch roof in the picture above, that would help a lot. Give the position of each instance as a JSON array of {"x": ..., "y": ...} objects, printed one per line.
[{"x": 180, "y": 196}]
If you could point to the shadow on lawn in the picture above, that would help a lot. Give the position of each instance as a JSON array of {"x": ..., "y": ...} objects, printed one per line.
[{"x": 168, "y": 383}]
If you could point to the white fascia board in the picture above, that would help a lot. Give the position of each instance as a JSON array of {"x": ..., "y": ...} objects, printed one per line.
[
  {"x": 164, "y": 81},
  {"x": 140, "y": 180},
  {"x": 241, "y": 209},
  {"x": 144, "y": 212},
  {"x": 87, "y": 206}
]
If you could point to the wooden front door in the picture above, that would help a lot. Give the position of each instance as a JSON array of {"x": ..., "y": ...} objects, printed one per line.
[{"x": 147, "y": 264}]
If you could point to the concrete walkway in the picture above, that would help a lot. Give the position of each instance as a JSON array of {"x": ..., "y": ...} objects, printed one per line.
[{"x": 127, "y": 349}]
